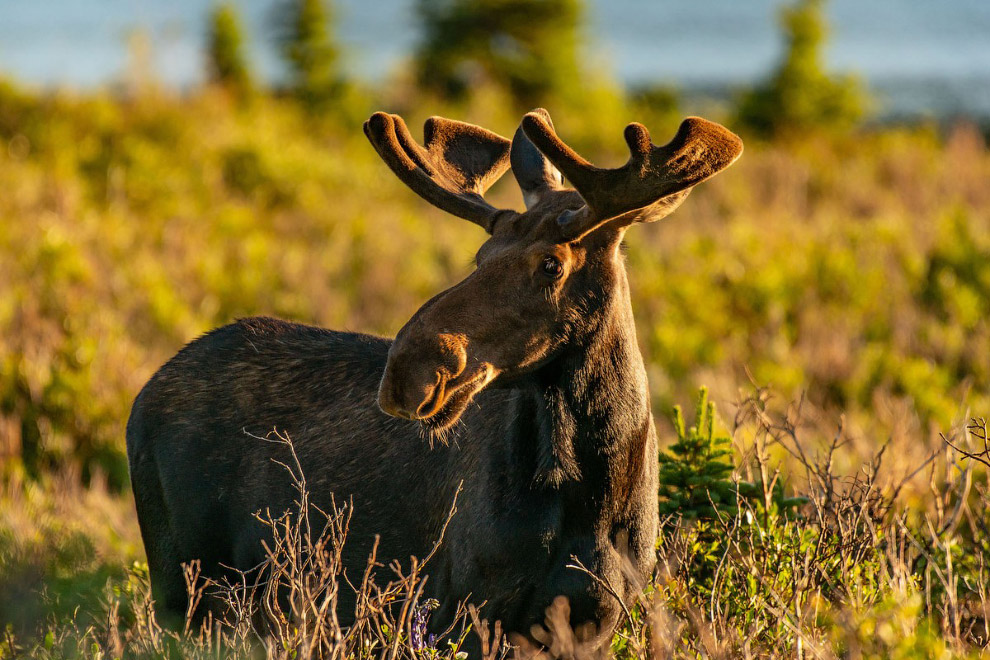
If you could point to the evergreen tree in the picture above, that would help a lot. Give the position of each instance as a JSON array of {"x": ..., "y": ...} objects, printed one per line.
[
  {"x": 800, "y": 95},
  {"x": 227, "y": 62},
  {"x": 695, "y": 472},
  {"x": 529, "y": 46},
  {"x": 307, "y": 45}
]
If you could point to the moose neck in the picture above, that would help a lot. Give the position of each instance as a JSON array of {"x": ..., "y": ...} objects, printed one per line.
[{"x": 592, "y": 409}]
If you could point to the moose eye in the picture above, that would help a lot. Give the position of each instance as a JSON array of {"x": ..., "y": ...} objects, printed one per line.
[{"x": 551, "y": 267}]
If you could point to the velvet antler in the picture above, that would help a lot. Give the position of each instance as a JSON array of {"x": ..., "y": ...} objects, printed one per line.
[
  {"x": 460, "y": 162},
  {"x": 652, "y": 182}
]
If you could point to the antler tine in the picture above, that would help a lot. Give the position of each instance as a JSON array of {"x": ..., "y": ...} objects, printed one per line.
[
  {"x": 540, "y": 132},
  {"x": 455, "y": 169},
  {"x": 653, "y": 181}
]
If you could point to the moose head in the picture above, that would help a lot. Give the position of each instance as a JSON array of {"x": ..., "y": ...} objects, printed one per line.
[{"x": 544, "y": 277}]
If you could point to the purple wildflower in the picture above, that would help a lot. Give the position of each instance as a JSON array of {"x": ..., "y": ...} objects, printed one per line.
[{"x": 418, "y": 629}]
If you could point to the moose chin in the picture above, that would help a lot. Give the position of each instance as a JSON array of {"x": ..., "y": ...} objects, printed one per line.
[{"x": 530, "y": 363}]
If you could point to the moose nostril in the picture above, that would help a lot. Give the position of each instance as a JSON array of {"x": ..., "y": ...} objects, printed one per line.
[
  {"x": 432, "y": 396},
  {"x": 418, "y": 371},
  {"x": 411, "y": 402}
]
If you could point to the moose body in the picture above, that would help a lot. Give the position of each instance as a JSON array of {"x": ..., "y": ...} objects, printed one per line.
[
  {"x": 515, "y": 531},
  {"x": 528, "y": 371}
]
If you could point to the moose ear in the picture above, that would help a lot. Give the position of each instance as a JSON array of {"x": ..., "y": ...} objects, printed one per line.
[{"x": 534, "y": 172}]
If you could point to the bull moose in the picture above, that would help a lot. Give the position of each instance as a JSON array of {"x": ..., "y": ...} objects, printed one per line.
[{"x": 531, "y": 362}]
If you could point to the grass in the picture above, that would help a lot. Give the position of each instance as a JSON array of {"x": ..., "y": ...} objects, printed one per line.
[
  {"x": 849, "y": 275},
  {"x": 856, "y": 567}
]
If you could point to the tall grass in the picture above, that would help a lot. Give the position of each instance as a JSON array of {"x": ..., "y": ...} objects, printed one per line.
[{"x": 855, "y": 567}]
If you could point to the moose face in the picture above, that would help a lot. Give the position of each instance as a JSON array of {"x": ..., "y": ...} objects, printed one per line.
[
  {"x": 531, "y": 294},
  {"x": 543, "y": 276}
]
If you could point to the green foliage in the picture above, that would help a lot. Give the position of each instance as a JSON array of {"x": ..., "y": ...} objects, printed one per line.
[
  {"x": 800, "y": 96},
  {"x": 838, "y": 289},
  {"x": 710, "y": 514},
  {"x": 695, "y": 470},
  {"x": 857, "y": 275},
  {"x": 528, "y": 46},
  {"x": 846, "y": 569},
  {"x": 59, "y": 545},
  {"x": 309, "y": 49},
  {"x": 894, "y": 627},
  {"x": 227, "y": 61},
  {"x": 696, "y": 474},
  {"x": 956, "y": 283}
]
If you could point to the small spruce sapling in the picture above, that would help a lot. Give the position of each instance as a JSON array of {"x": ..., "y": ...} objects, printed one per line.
[{"x": 696, "y": 472}]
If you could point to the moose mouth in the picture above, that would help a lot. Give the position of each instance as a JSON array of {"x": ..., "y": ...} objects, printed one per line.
[{"x": 449, "y": 402}]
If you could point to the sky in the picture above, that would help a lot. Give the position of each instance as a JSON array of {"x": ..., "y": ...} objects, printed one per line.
[{"x": 933, "y": 52}]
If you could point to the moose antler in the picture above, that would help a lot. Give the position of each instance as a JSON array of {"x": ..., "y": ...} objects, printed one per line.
[
  {"x": 460, "y": 162},
  {"x": 652, "y": 182}
]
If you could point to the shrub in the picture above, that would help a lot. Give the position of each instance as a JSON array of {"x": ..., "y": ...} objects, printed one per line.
[
  {"x": 800, "y": 96},
  {"x": 308, "y": 47},
  {"x": 695, "y": 470},
  {"x": 227, "y": 62},
  {"x": 528, "y": 46}
]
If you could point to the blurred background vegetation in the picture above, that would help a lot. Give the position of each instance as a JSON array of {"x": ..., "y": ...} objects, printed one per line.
[{"x": 843, "y": 261}]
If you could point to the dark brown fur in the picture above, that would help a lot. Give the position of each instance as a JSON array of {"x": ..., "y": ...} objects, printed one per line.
[{"x": 532, "y": 377}]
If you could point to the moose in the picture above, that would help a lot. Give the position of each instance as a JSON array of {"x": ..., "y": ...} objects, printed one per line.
[{"x": 528, "y": 369}]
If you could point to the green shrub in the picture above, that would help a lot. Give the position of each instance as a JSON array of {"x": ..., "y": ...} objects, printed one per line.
[
  {"x": 228, "y": 65},
  {"x": 799, "y": 95},
  {"x": 695, "y": 475},
  {"x": 528, "y": 46},
  {"x": 695, "y": 471},
  {"x": 310, "y": 51}
]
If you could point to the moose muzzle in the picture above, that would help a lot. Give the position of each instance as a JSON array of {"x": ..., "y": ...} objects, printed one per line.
[{"x": 421, "y": 373}]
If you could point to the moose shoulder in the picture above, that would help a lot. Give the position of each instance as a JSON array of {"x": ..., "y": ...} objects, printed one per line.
[{"x": 557, "y": 455}]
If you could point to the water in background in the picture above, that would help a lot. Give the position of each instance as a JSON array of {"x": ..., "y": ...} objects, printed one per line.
[{"x": 921, "y": 57}]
